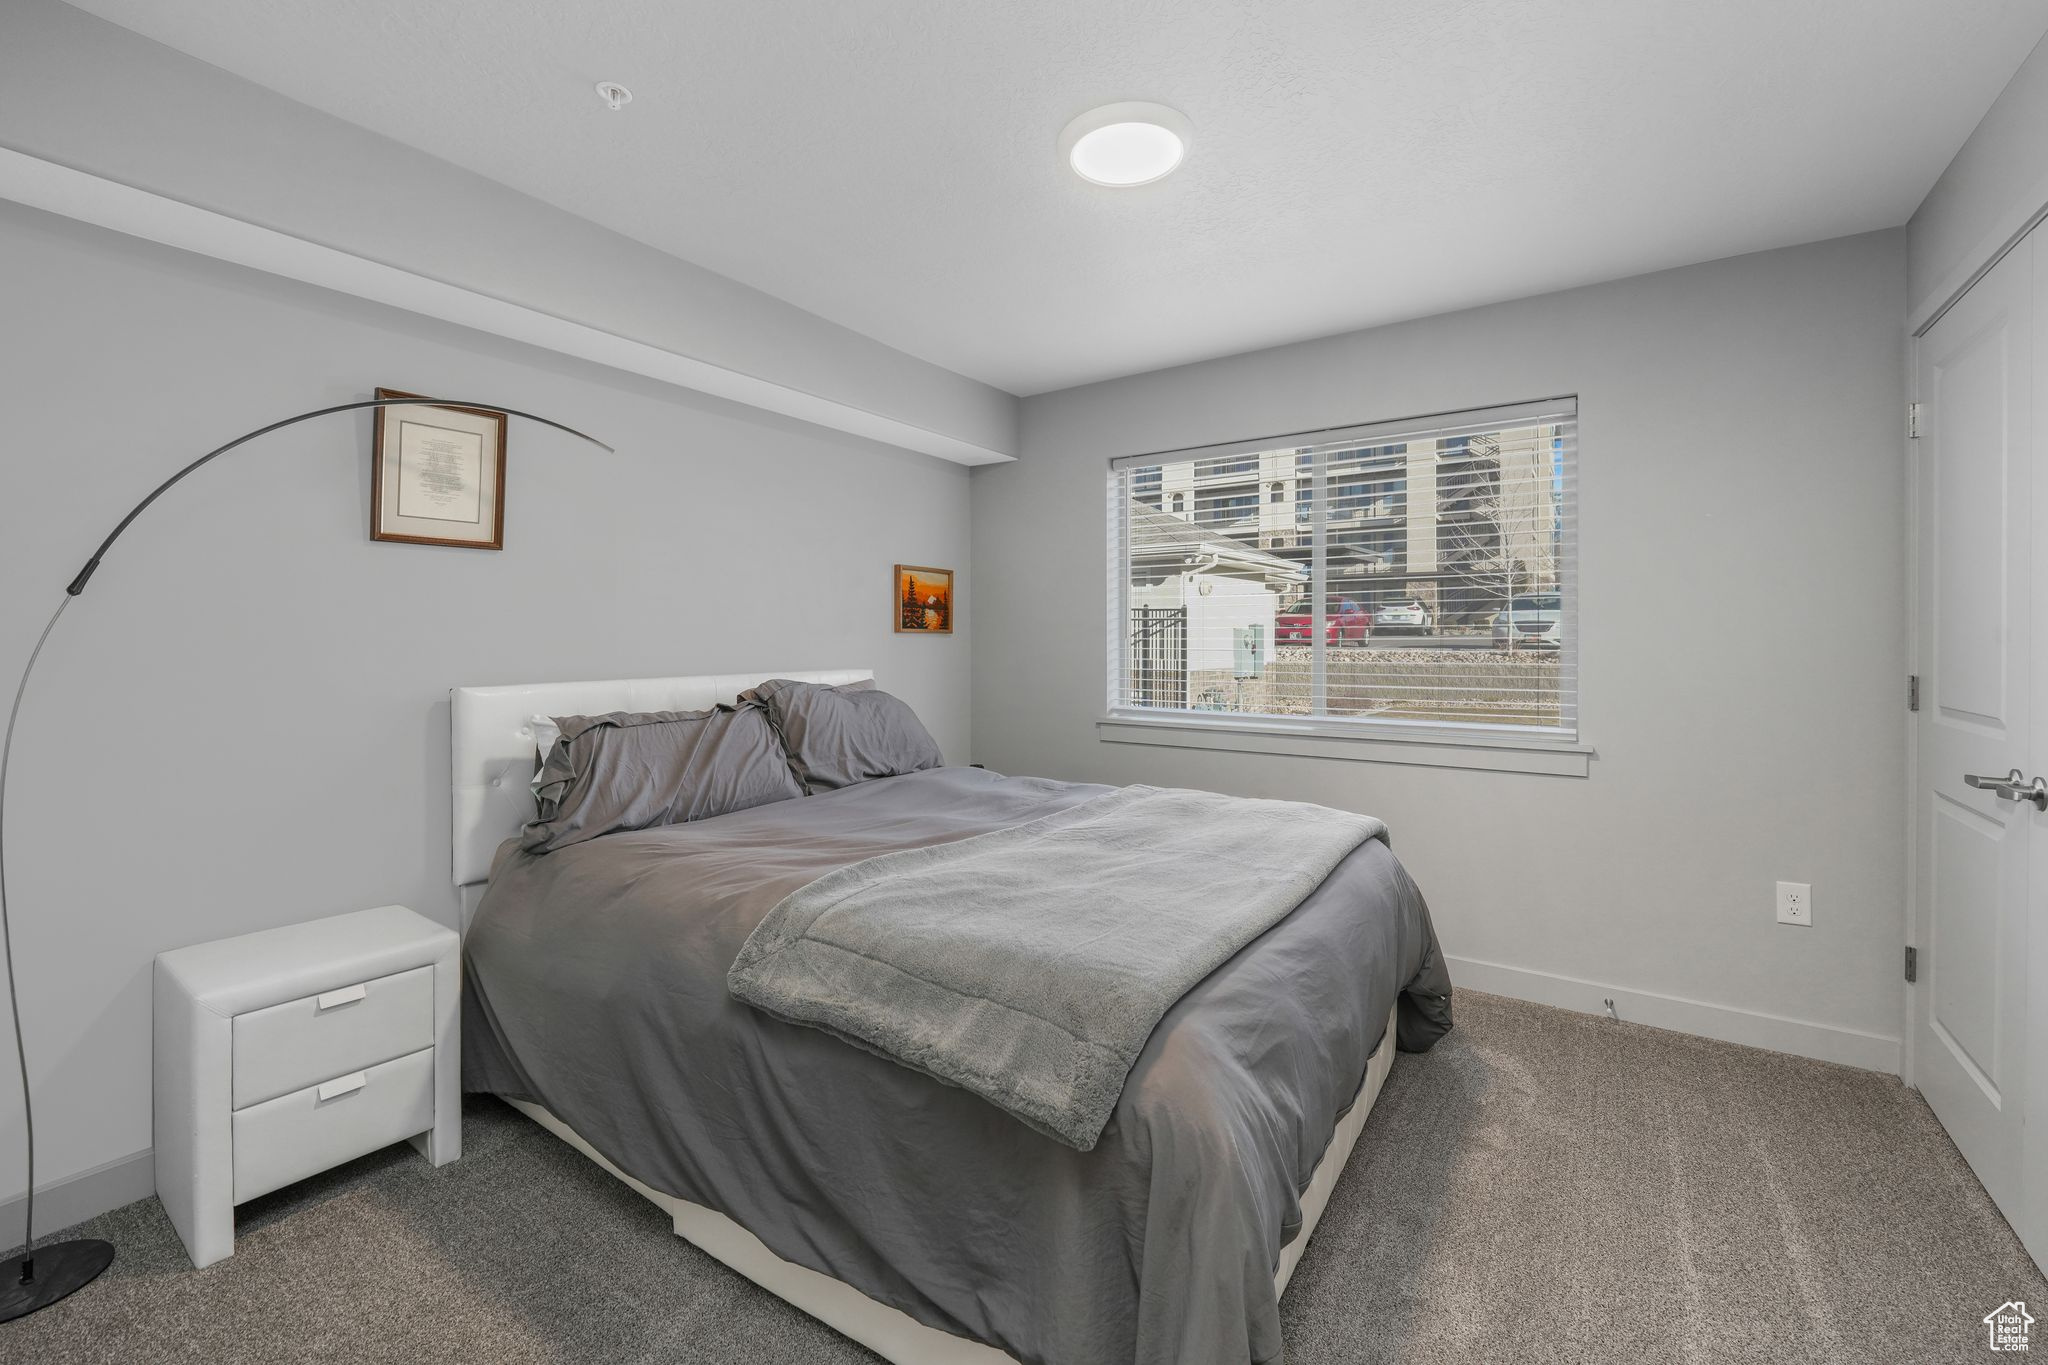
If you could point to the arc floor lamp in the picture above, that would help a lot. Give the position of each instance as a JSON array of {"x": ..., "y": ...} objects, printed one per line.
[{"x": 40, "y": 1276}]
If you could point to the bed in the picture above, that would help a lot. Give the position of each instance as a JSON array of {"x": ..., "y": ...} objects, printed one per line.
[{"x": 913, "y": 1216}]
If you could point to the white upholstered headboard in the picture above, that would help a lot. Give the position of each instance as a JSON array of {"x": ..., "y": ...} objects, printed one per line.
[{"x": 492, "y": 739}]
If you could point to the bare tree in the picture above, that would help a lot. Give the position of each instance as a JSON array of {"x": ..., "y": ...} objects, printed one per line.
[{"x": 1472, "y": 542}]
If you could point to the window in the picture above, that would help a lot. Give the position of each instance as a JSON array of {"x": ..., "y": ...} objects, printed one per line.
[
  {"x": 1145, "y": 485},
  {"x": 1443, "y": 552},
  {"x": 1227, "y": 507},
  {"x": 1233, "y": 464}
]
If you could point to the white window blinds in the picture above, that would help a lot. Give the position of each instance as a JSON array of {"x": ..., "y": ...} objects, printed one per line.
[{"x": 1416, "y": 575}]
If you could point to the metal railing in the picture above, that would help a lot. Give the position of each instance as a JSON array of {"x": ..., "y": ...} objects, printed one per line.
[{"x": 1159, "y": 657}]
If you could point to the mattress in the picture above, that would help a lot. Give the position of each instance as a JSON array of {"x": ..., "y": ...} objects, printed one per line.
[
  {"x": 596, "y": 982},
  {"x": 893, "y": 1335}
]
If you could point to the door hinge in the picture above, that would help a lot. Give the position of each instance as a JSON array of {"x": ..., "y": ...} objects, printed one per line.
[
  {"x": 1912, "y": 964},
  {"x": 1912, "y": 691},
  {"x": 1912, "y": 421}
]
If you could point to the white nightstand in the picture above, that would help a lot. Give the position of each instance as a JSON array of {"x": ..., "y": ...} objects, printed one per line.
[{"x": 282, "y": 1053}]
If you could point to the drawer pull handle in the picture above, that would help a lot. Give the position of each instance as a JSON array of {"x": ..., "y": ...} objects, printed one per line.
[
  {"x": 347, "y": 995},
  {"x": 343, "y": 1085}
]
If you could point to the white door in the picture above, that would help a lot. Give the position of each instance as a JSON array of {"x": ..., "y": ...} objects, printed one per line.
[{"x": 1977, "y": 382}]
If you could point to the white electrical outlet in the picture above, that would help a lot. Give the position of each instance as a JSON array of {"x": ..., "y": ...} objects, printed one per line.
[{"x": 1795, "y": 903}]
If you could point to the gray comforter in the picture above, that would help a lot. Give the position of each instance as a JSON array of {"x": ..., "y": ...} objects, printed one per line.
[
  {"x": 1031, "y": 964},
  {"x": 597, "y": 986}
]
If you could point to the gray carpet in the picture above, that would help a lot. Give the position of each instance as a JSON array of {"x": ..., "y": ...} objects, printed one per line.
[{"x": 1542, "y": 1187}]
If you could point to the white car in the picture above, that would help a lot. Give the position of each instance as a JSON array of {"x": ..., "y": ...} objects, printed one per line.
[
  {"x": 1530, "y": 622},
  {"x": 1401, "y": 618}
]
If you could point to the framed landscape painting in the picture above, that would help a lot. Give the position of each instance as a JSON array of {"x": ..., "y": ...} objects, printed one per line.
[{"x": 924, "y": 600}]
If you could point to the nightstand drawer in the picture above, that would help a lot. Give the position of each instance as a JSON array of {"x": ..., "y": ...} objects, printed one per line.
[
  {"x": 307, "y": 1131},
  {"x": 285, "y": 1047}
]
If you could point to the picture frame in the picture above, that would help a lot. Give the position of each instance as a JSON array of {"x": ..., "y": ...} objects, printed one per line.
[
  {"x": 924, "y": 602},
  {"x": 437, "y": 475}
]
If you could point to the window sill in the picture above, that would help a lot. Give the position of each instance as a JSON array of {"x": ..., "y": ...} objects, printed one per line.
[{"x": 1485, "y": 752}]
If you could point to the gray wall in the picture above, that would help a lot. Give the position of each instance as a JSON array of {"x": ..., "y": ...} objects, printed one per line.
[
  {"x": 2003, "y": 168},
  {"x": 1743, "y": 639},
  {"x": 80, "y": 91},
  {"x": 245, "y": 722}
]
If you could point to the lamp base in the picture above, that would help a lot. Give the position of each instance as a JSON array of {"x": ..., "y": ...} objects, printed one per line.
[{"x": 61, "y": 1269}]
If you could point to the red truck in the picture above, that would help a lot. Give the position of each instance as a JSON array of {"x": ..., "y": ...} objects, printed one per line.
[{"x": 1344, "y": 623}]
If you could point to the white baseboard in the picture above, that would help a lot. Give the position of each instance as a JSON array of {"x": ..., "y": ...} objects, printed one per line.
[
  {"x": 1800, "y": 1037},
  {"x": 75, "y": 1198}
]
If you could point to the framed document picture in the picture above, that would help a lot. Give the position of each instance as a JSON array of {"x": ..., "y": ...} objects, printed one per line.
[
  {"x": 924, "y": 600},
  {"x": 437, "y": 475}
]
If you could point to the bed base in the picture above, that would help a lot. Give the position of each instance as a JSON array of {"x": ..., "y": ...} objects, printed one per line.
[{"x": 891, "y": 1333}]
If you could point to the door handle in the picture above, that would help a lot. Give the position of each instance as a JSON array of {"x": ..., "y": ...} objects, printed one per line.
[{"x": 2012, "y": 787}]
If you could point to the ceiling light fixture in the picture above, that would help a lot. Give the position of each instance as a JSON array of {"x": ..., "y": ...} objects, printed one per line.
[
  {"x": 614, "y": 95},
  {"x": 1121, "y": 145}
]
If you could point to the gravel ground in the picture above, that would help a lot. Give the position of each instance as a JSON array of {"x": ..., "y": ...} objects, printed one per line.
[
  {"x": 1381, "y": 654},
  {"x": 1368, "y": 654}
]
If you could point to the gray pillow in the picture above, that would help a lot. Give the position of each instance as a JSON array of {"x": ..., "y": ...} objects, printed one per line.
[
  {"x": 837, "y": 736},
  {"x": 636, "y": 771}
]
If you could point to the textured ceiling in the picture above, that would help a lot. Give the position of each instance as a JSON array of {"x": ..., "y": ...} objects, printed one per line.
[{"x": 891, "y": 166}]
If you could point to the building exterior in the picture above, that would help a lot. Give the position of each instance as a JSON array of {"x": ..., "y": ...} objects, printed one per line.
[
  {"x": 1202, "y": 606},
  {"x": 1460, "y": 523}
]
